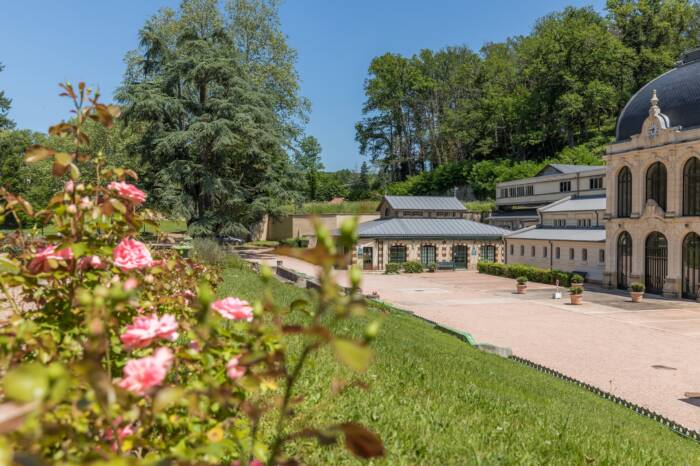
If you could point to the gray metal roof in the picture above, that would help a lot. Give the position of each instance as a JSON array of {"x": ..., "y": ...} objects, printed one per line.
[
  {"x": 560, "y": 234},
  {"x": 568, "y": 169},
  {"x": 424, "y": 203},
  {"x": 428, "y": 228},
  {"x": 515, "y": 214},
  {"x": 678, "y": 91},
  {"x": 576, "y": 204}
]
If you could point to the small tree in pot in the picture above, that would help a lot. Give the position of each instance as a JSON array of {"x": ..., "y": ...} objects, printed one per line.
[
  {"x": 576, "y": 280},
  {"x": 521, "y": 285},
  {"x": 637, "y": 292},
  {"x": 576, "y": 294}
]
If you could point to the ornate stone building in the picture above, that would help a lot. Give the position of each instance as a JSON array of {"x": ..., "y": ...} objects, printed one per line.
[{"x": 653, "y": 186}]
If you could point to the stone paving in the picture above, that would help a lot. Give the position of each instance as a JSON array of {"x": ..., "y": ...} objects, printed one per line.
[{"x": 643, "y": 352}]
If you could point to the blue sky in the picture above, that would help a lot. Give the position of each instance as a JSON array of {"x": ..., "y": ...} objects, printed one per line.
[{"x": 44, "y": 42}]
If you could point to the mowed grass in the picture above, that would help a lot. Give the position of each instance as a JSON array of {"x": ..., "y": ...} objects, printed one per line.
[
  {"x": 434, "y": 400},
  {"x": 346, "y": 207}
]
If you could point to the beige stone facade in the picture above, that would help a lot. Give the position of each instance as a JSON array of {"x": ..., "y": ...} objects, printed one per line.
[{"x": 673, "y": 148}]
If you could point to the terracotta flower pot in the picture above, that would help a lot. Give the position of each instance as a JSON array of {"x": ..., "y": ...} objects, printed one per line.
[
  {"x": 522, "y": 289},
  {"x": 636, "y": 296},
  {"x": 576, "y": 299}
]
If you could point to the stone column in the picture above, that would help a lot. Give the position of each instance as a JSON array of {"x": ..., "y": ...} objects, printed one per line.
[
  {"x": 638, "y": 178},
  {"x": 674, "y": 184}
]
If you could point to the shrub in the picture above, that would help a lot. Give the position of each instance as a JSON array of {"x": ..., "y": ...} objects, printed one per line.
[
  {"x": 576, "y": 278},
  {"x": 392, "y": 267},
  {"x": 110, "y": 356},
  {"x": 532, "y": 274},
  {"x": 521, "y": 280},
  {"x": 208, "y": 251},
  {"x": 432, "y": 267},
  {"x": 575, "y": 290},
  {"x": 637, "y": 287},
  {"x": 412, "y": 267},
  {"x": 295, "y": 242}
]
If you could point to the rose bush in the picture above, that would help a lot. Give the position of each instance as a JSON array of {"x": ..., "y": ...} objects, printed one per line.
[{"x": 107, "y": 352}]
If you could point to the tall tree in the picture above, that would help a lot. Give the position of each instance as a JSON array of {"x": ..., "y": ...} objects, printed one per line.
[
  {"x": 308, "y": 161},
  {"x": 213, "y": 134},
  {"x": 5, "y": 103},
  {"x": 657, "y": 30}
]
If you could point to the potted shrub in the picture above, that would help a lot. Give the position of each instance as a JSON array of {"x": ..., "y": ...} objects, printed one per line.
[
  {"x": 432, "y": 267},
  {"x": 521, "y": 285},
  {"x": 576, "y": 280},
  {"x": 637, "y": 292},
  {"x": 576, "y": 294}
]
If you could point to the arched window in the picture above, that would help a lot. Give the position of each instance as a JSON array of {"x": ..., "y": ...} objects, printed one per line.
[
  {"x": 397, "y": 254},
  {"x": 624, "y": 193},
  {"x": 624, "y": 260},
  {"x": 656, "y": 184},
  {"x": 691, "y": 266},
  {"x": 691, "y": 187}
]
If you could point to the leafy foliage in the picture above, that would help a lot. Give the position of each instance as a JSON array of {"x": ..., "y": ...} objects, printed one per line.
[
  {"x": 530, "y": 273},
  {"x": 392, "y": 268},
  {"x": 5, "y": 102},
  {"x": 412, "y": 267},
  {"x": 110, "y": 355}
]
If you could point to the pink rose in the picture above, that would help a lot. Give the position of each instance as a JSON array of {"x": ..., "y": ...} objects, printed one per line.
[
  {"x": 122, "y": 433},
  {"x": 130, "y": 284},
  {"x": 90, "y": 262},
  {"x": 40, "y": 262},
  {"x": 131, "y": 255},
  {"x": 233, "y": 370},
  {"x": 69, "y": 187},
  {"x": 145, "y": 329},
  {"x": 233, "y": 309},
  {"x": 128, "y": 191},
  {"x": 140, "y": 375}
]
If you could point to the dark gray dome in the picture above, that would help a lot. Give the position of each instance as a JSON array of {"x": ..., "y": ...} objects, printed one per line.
[{"x": 678, "y": 91}]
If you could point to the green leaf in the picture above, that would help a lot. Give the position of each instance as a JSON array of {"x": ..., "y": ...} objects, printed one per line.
[
  {"x": 352, "y": 354},
  {"x": 118, "y": 205},
  {"x": 79, "y": 249},
  {"x": 8, "y": 266},
  {"x": 167, "y": 397},
  {"x": 27, "y": 383},
  {"x": 63, "y": 158}
]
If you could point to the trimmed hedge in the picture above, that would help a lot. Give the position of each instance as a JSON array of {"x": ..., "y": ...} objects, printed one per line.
[
  {"x": 412, "y": 267},
  {"x": 533, "y": 274},
  {"x": 393, "y": 267}
]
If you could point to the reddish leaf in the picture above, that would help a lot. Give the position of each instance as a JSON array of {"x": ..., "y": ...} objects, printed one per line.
[
  {"x": 361, "y": 441},
  {"x": 37, "y": 153}
]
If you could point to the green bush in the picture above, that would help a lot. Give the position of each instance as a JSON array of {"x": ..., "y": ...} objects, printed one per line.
[
  {"x": 576, "y": 278},
  {"x": 432, "y": 267},
  {"x": 576, "y": 290},
  {"x": 521, "y": 280},
  {"x": 295, "y": 242},
  {"x": 637, "y": 287},
  {"x": 392, "y": 267},
  {"x": 412, "y": 267},
  {"x": 208, "y": 251},
  {"x": 530, "y": 273}
]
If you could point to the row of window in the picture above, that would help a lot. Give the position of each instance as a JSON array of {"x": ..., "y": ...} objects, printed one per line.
[
  {"x": 428, "y": 253},
  {"x": 581, "y": 222},
  {"x": 518, "y": 191},
  {"x": 656, "y": 189},
  {"x": 557, "y": 253},
  {"x": 421, "y": 213}
]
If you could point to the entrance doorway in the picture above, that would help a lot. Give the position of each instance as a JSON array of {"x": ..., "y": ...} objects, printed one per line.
[
  {"x": 655, "y": 262},
  {"x": 367, "y": 255},
  {"x": 691, "y": 265},
  {"x": 461, "y": 255},
  {"x": 427, "y": 254},
  {"x": 624, "y": 260}
]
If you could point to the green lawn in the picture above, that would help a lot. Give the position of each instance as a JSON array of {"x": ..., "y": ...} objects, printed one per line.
[
  {"x": 347, "y": 207},
  {"x": 435, "y": 400}
]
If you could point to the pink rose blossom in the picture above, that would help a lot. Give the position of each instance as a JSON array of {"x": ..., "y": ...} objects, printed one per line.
[
  {"x": 145, "y": 329},
  {"x": 128, "y": 191},
  {"x": 90, "y": 262},
  {"x": 130, "y": 284},
  {"x": 131, "y": 255},
  {"x": 233, "y": 370},
  {"x": 122, "y": 433},
  {"x": 85, "y": 203},
  {"x": 40, "y": 262},
  {"x": 69, "y": 187},
  {"x": 233, "y": 309},
  {"x": 142, "y": 374}
]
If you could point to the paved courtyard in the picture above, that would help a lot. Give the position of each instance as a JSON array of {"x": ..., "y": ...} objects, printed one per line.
[{"x": 643, "y": 352}]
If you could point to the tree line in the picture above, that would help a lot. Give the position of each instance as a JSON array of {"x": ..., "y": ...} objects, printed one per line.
[{"x": 525, "y": 99}]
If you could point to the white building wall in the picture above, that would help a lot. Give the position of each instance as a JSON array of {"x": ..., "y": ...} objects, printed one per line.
[{"x": 519, "y": 251}]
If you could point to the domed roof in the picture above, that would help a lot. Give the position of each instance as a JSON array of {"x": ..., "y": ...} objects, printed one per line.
[{"x": 678, "y": 91}]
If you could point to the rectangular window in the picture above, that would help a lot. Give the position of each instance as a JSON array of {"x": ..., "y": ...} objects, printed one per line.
[
  {"x": 512, "y": 192},
  {"x": 595, "y": 183},
  {"x": 529, "y": 190},
  {"x": 521, "y": 191},
  {"x": 560, "y": 222},
  {"x": 601, "y": 255},
  {"x": 557, "y": 253},
  {"x": 440, "y": 214},
  {"x": 522, "y": 250},
  {"x": 544, "y": 251},
  {"x": 512, "y": 249},
  {"x": 584, "y": 223},
  {"x": 564, "y": 186},
  {"x": 397, "y": 254},
  {"x": 571, "y": 254},
  {"x": 584, "y": 255},
  {"x": 504, "y": 192},
  {"x": 532, "y": 251}
]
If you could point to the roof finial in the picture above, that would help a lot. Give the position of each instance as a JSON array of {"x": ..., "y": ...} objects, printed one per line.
[{"x": 654, "y": 109}]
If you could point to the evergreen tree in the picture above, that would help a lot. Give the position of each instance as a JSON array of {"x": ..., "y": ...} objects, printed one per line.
[
  {"x": 309, "y": 163},
  {"x": 5, "y": 103},
  {"x": 213, "y": 136}
]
